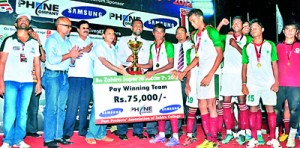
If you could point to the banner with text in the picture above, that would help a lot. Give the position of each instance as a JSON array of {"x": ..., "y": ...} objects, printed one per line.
[
  {"x": 97, "y": 14},
  {"x": 124, "y": 99}
]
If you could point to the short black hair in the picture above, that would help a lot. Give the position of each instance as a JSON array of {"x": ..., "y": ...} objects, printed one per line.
[
  {"x": 136, "y": 20},
  {"x": 239, "y": 18},
  {"x": 159, "y": 25},
  {"x": 197, "y": 12},
  {"x": 108, "y": 27},
  {"x": 246, "y": 22},
  {"x": 258, "y": 21},
  {"x": 82, "y": 22},
  {"x": 291, "y": 22},
  {"x": 182, "y": 28}
]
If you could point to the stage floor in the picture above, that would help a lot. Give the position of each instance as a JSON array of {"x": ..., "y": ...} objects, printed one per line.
[{"x": 133, "y": 142}]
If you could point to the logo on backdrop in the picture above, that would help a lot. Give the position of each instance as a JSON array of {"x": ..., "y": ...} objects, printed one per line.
[
  {"x": 168, "y": 23},
  {"x": 84, "y": 12},
  {"x": 111, "y": 112},
  {"x": 5, "y": 6},
  {"x": 170, "y": 108},
  {"x": 126, "y": 19},
  {"x": 142, "y": 110},
  {"x": 43, "y": 8}
]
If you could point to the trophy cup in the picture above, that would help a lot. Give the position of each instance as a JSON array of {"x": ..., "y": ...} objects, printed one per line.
[{"x": 135, "y": 48}]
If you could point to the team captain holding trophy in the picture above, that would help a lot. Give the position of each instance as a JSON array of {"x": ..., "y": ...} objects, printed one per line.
[{"x": 132, "y": 50}]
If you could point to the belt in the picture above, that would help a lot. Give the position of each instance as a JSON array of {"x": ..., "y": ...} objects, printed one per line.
[{"x": 58, "y": 71}]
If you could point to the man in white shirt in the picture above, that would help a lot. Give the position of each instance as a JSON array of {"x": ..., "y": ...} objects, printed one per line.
[
  {"x": 80, "y": 83},
  {"x": 126, "y": 58},
  {"x": 18, "y": 53}
]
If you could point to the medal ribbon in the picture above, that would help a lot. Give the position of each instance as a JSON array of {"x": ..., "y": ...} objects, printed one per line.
[
  {"x": 258, "y": 52},
  {"x": 289, "y": 53},
  {"x": 157, "y": 49},
  {"x": 199, "y": 35},
  {"x": 235, "y": 38}
]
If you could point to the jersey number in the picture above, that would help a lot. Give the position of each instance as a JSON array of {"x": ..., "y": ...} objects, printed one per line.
[
  {"x": 250, "y": 98},
  {"x": 190, "y": 99}
]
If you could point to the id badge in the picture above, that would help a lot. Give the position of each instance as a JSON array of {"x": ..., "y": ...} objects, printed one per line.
[{"x": 23, "y": 58}]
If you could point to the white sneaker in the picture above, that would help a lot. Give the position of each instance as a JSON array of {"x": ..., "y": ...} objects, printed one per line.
[
  {"x": 22, "y": 144},
  {"x": 252, "y": 143},
  {"x": 291, "y": 138},
  {"x": 5, "y": 145},
  {"x": 290, "y": 142},
  {"x": 274, "y": 143}
]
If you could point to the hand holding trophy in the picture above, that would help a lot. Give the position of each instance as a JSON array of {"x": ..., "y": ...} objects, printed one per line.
[{"x": 135, "y": 48}]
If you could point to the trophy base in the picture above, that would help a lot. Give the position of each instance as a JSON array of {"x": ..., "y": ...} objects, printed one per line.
[{"x": 134, "y": 71}]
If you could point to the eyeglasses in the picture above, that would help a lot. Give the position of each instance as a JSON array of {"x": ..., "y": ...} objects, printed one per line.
[{"x": 69, "y": 26}]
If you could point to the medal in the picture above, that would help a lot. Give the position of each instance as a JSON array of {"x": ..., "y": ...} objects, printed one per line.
[
  {"x": 258, "y": 65},
  {"x": 289, "y": 53},
  {"x": 198, "y": 40},
  {"x": 157, "y": 49},
  {"x": 258, "y": 53}
]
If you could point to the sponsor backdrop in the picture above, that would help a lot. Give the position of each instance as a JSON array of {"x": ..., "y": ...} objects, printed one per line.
[{"x": 100, "y": 13}]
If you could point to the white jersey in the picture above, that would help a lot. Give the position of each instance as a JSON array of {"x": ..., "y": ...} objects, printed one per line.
[
  {"x": 207, "y": 55},
  {"x": 160, "y": 56},
  {"x": 231, "y": 78},
  {"x": 233, "y": 58},
  {"x": 260, "y": 74}
]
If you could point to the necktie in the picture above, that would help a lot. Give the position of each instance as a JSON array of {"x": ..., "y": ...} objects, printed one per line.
[{"x": 180, "y": 58}]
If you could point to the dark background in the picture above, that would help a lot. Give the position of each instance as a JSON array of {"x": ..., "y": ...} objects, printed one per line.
[{"x": 264, "y": 10}]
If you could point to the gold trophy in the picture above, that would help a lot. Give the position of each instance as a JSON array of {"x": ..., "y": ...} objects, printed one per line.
[{"x": 135, "y": 48}]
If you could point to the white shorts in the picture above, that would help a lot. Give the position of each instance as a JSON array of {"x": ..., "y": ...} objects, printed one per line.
[
  {"x": 231, "y": 84},
  {"x": 192, "y": 100},
  {"x": 267, "y": 95},
  {"x": 221, "y": 98},
  {"x": 235, "y": 99},
  {"x": 210, "y": 91}
]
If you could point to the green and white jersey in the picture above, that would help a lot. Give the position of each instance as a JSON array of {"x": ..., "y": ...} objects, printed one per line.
[
  {"x": 192, "y": 100},
  {"x": 260, "y": 75},
  {"x": 160, "y": 57},
  {"x": 232, "y": 57},
  {"x": 210, "y": 39},
  {"x": 190, "y": 55}
]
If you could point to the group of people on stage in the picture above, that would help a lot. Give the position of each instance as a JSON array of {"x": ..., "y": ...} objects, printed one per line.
[{"x": 215, "y": 71}]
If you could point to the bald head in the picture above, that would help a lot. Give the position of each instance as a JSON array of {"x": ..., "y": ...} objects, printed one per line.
[{"x": 63, "y": 25}]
